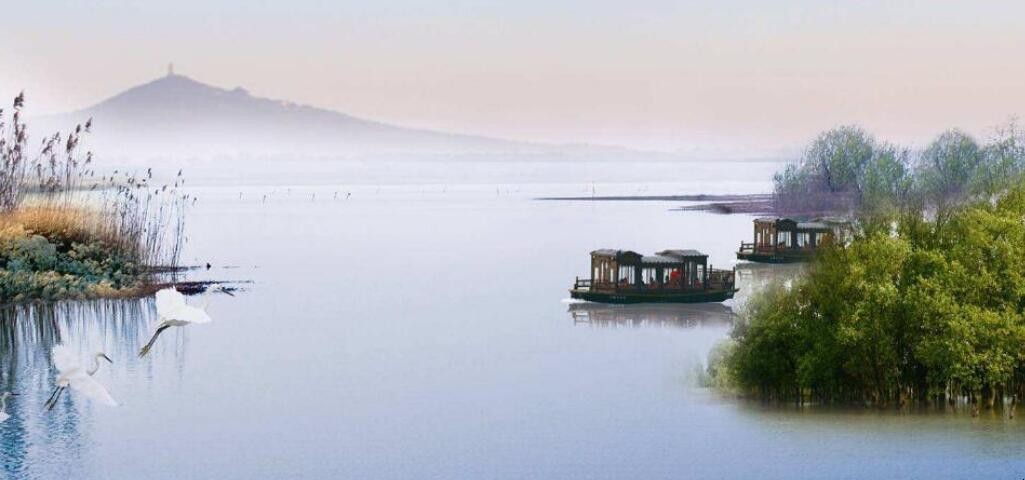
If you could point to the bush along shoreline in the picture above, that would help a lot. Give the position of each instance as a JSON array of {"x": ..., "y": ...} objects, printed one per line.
[
  {"x": 929, "y": 312},
  {"x": 67, "y": 233},
  {"x": 926, "y": 305}
]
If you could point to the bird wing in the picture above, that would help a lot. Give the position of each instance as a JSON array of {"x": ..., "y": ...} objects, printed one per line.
[
  {"x": 169, "y": 301},
  {"x": 63, "y": 358},
  {"x": 89, "y": 387},
  {"x": 193, "y": 315}
]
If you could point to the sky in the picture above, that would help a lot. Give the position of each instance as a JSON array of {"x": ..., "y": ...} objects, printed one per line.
[{"x": 734, "y": 77}]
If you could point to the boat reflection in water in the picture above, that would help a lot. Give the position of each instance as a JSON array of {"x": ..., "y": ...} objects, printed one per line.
[
  {"x": 27, "y": 334},
  {"x": 753, "y": 277},
  {"x": 650, "y": 314}
]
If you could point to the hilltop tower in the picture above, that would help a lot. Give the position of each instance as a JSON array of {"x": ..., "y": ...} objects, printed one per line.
[{"x": 170, "y": 69}]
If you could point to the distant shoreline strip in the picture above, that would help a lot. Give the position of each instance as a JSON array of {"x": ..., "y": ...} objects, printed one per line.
[{"x": 755, "y": 203}]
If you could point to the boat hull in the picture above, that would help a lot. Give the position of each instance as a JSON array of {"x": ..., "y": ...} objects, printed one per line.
[{"x": 622, "y": 297}]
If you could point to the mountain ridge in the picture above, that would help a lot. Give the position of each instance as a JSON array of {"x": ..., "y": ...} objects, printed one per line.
[{"x": 177, "y": 114}]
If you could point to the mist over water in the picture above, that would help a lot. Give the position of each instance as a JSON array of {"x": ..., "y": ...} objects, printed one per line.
[
  {"x": 572, "y": 174},
  {"x": 406, "y": 320}
]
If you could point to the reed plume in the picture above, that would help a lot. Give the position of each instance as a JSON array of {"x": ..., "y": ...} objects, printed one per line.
[{"x": 55, "y": 192}]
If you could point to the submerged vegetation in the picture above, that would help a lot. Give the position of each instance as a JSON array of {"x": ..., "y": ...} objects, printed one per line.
[
  {"x": 66, "y": 232},
  {"x": 926, "y": 304}
]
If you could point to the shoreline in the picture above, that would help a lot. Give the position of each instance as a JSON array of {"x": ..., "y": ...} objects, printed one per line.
[
  {"x": 186, "y": 287},
  {"x": 725, "y": 204}
]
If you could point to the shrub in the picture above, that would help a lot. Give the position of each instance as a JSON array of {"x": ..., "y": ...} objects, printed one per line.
[
  {"x": 936, "y": 308},
  {"x": 64, "y": 232}
]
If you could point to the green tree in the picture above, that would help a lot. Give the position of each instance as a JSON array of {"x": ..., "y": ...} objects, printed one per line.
[
  {"x": 829, "y": 175},
  {"x": 1003, "y": 162},
  {"x": 946, "y": 169},
  {"x": 936, "y": 308}
]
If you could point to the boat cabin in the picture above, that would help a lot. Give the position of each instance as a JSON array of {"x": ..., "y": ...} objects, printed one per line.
[
  {"x": 781, "y": 240},
  {"x": 670, "y": 274}
]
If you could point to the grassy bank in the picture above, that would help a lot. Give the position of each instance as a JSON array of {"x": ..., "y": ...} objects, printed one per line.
[{"x": 66, "y": 232}]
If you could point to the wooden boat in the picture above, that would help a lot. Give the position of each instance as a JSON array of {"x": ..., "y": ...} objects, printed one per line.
[
  {"x": 784, "y": 240},
  {"x": 670, "y": 276}
]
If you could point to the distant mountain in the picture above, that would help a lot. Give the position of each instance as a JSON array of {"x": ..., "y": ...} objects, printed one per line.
[{"x": 178, "y": 115}]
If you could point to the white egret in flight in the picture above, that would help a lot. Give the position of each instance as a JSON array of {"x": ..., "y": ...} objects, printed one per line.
[
  {"x": 72, "y": 374},
  {"x": 3, "y": 405},
  {"x": 172, "y": 311}
]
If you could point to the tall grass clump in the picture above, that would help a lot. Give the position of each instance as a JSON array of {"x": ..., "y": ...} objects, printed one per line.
[{"x": 64, "y": 231}]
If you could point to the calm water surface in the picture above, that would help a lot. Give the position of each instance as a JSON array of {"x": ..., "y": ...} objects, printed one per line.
[{"x": 420, "y": 331}]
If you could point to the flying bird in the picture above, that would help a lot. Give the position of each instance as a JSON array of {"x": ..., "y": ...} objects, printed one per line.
[
  {"x": 72, "y": 374},
  {"x": 173, "y": 311},
  {"x": 3, "y": 406}
]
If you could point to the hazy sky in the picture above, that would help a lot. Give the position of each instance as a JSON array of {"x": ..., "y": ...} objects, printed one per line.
[{"x": 730, "y": 75}]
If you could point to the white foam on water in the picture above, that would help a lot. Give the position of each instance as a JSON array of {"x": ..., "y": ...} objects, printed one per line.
[{"x": 573, "y": 300}]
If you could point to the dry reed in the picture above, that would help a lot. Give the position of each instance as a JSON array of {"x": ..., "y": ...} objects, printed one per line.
[{"x": 56, "y": 193}]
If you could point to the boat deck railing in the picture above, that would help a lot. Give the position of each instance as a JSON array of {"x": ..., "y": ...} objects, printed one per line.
[
  {"x": 746, "y": 247},
  {"x": 582, "y": 284},
  {"x": 721, "y": 279},
  {"x": 717, "y": 279}
]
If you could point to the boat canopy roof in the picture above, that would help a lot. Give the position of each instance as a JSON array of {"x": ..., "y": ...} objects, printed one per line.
[
  {"x": 658, "y": 260},
  {"x": 817, "y": 225},
  {"x": 682, "y": 253},
  {"x": 773, "y": 220},
  {"x": 612, "y": 252},
  {"x": 813, "y": 226},
  {"x": 664, "y": 257}
]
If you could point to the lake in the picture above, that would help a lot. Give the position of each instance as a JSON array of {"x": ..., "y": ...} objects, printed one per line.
[{"x": 419, "y": 328}]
